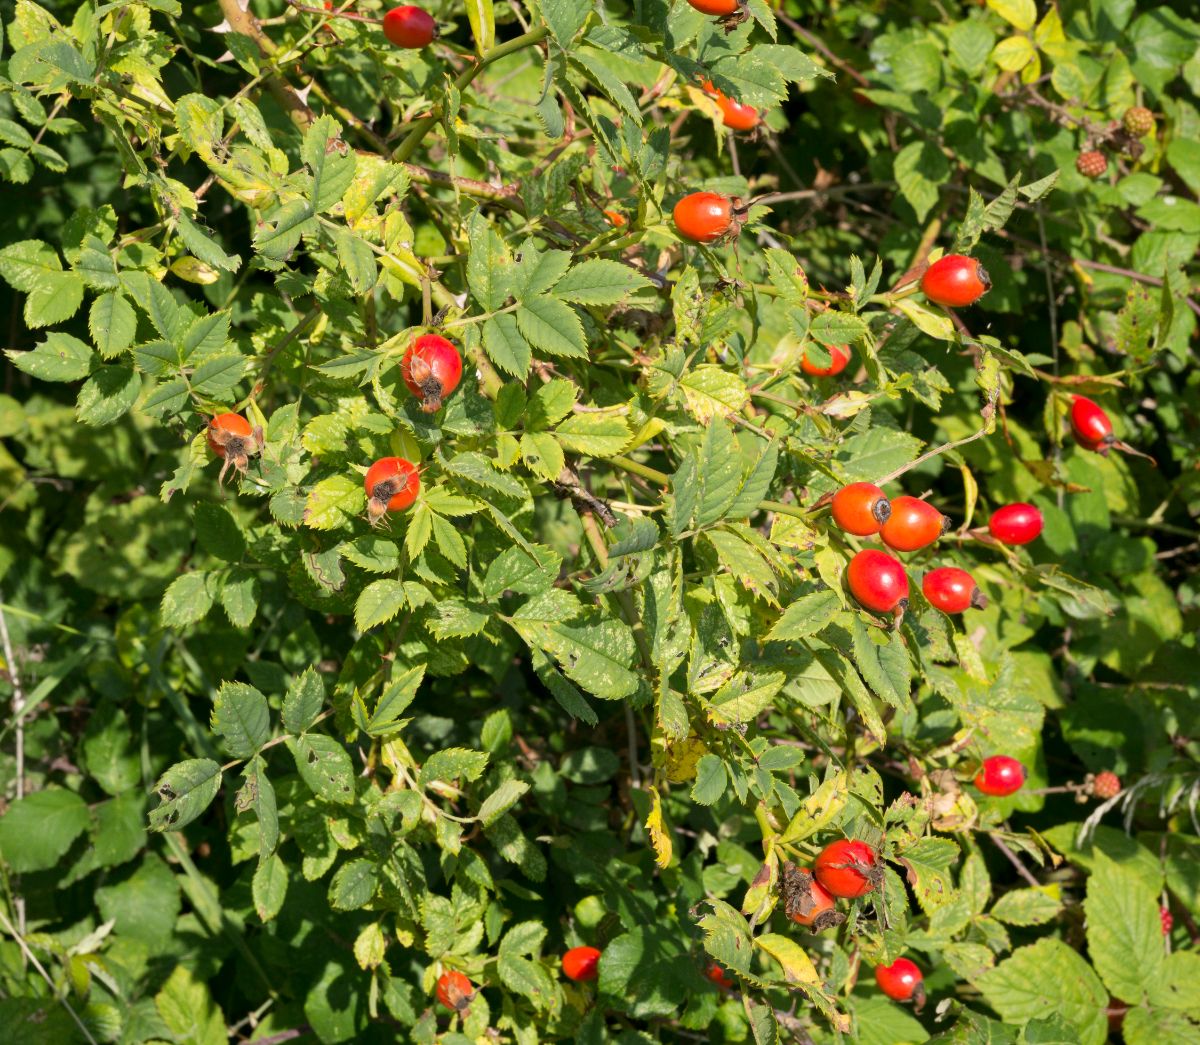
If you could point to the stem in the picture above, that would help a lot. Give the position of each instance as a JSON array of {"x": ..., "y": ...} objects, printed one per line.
[
  {"x": 18, "y": 706},
  {"x": 645, "y": 471},
  {"x": 423, "y": 126}
]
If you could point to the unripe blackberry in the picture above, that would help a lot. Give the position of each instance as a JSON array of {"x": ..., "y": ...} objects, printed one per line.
[
  {"x": 1091, "y": 164},
  {"x": 1106, "y": 785},
  {"x": 1138, "y": 121}
]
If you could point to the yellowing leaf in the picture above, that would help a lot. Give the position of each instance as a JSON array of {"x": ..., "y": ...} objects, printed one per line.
[
  {"x": 710, "y": 391},
  {"x": 935, "y": 324},
  {"x": 660, "y": 836},
  {"x": 1014, "y": 53},
  {"x": 1020, "y": 14},
  {"x": 818, "y": 809},
  {"x": 797, "y": 965}
]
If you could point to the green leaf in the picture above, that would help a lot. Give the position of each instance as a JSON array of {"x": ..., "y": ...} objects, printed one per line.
[
  {"x": 324, "y": 765},
  {"x": 303, "y": 702},
  {"x": 353, "y": 885},
  {"x": 258, "y": 794},
  {"x": 108, "y": 395},
  {"x": 188, "y": 1010},
  {"x": 501, "y": 801},
  {"x": 239, "y": 596},
  {"x": 599, "y": 282},
  {"x": 378, "y": 603},
  {"x": 745, "y": 696},
  {"x": 1045, "y": 979},
  {"x": 1027, "y": 906},
  {"x": 506, "y": 347},
  {"x": 805, "y": 617},
  {"x": 334, "y": 502},
  {"x": 395, "y": 699},
  {"x": 711, "y": 780},
  {"x": 597, "y": 655},
  {"x": 268, "y": 887},
  {"x": 217, "y": 532},
  {"x": 928, "y": 863},
  {"x": 1123, "y": 930},
  {"x": 919, "y": 168},
  {"x": 185, "y": 791},
  {"x": 37, "y": 830},
  {"x": 187, "y": 600},
  {"x": 53, "y": 295},
  {"x": 331, "y": 161},
  {"x": 60, "y": 357},
  {"x": 241, "y": 716},
  {"x": 593, "y": 434},
  {"x": 711, "y": 391},
  {"x": 112, "y": 323},
  {"x": 551, "y": 327}
]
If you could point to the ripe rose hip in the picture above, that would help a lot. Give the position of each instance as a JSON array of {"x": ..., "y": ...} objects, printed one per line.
[
  {"x": 806, "y": 902},
  {"x": 1091, "y": 164},
  {"x": 955, "y": 281},
  {"x": 432, "y": 369},
  {"x": 719, "y": 8},
  {"x": 704, "y": 217},
  {"x": 1000, "y": 776},
  {"x": 901, "y": 981},
  {"x": 735, "y": 115},
  {"x": 581, "y": 963},
  {"x": 715, "y": 973},
  {"x": 839, "y": 356},
  {"x": 952, "y": 590},
  {"x": 848, "y": 868},
  {"x": 860, "y": 509},
  {"x": 913, "y": 524},
  {"x": 615, "y": 218},
  {"x": 392, "y": 484},
  {"x": 878, "y": 581},
  {"x": 231, "y": 438},
  {"x": 454, "y": 990},
  {"x": 1017, "y": 523},
  {"x": 409, "y": 26},
  {"x": 1091, "y": 425},
  {"x": 1106, "y": 785}
]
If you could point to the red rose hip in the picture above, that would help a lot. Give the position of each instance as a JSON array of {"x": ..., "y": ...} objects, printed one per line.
[
  {"x": 839, "y": 357},
  {"x": 581, "y": 963},
  {"x": 432, "y": 369},
  {"x": 392, "y": 484},
  {"x": 901, "y": 981},
  {"x": 955, "y": 281},
  {"x": 952, "y": 590},
  {"x": 1000, "y": 776},
  {"x": 735, "y": 115},
  {"x": 860, "y": 509},
  {"x": 717, "y": 975},
  {"x": 1090, "y": 425},
  {"x": 410, "y": 27},
  {"x": 848, "y": 868},
  {"x": 231, "y": 438},
  {"x": 719, "y": 8},
  {"x": 1017, "y": 523},
  {"x": 704, "y": 217},
  {"x": 913, "y": 524},
  {"x": 454, "y": 990},
  {"x": 878, "y": 581}
]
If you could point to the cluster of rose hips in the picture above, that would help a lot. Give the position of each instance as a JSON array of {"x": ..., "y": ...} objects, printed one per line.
[
  {"x": 455, "y": 991},
  {"x": 846, "y": 869},
  {"x": 432, "y": 370}
]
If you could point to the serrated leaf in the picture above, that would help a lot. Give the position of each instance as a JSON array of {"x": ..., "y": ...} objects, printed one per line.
[
  {"x": 324, "y": 765},
  {"x": 593, "y": 434},
  {"x": 806, "y": 616},
  {"x": 378, "y": 603},
  {"x": 240, "y": 715},
  {"x": 599, "y": 281},
  {"x": 60, "y": 357},
  {"x": 185, "y": 791},
  {"x": 552, "y": 327}
]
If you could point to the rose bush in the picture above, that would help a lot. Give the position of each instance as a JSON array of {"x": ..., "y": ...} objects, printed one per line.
[{"x": 298, "y": 751}]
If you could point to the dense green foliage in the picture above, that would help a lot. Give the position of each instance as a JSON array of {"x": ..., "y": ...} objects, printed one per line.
[{"x": 269, "y": 771}]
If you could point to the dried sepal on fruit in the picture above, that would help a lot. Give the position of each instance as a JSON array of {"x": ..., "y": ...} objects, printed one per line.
[
  {"x": 232, "y": 438},
  {"x": 805, "y": 901}
]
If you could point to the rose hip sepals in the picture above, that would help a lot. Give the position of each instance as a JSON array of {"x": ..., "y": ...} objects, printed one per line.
[
  {"x": 231, "y": 437},
  {"x": 432, "y": 369},
  {"x": 391, "y": 485},
  {"x": 805, "y": 901},
  {"x": 729, "y": 13}
]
